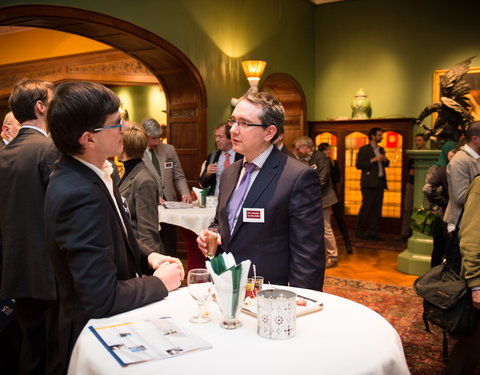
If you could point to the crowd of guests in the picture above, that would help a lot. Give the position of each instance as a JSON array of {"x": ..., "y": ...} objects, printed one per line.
[{"x": 81, "y": 239}]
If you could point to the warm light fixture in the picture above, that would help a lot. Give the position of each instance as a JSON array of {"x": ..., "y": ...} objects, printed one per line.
[{"x": 253, "y": 71}]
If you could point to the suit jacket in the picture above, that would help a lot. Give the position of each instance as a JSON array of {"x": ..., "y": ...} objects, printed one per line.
[
  {"x": 95, "y": 259},
  {"x": 369, "y": 178},
  {"x": 25, "y": 166},
  {"x": 172, "y": 176},
  {"x": 286, "y": 151},
  {"x": 288, "y": 246},
  {"x": 322, "y": 166},
  {"x": 140, "y": 190},
  {"x": 211, "y": 180}
]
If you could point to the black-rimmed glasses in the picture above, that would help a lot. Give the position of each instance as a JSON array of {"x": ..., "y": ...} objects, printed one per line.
[{"x": 243, "y": 124}]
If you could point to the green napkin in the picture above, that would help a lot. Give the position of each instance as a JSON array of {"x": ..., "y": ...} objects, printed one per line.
[{"x": 218, "y": 265}]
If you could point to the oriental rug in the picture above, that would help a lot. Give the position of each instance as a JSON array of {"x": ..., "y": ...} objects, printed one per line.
[{"x": 402, "y": 308}]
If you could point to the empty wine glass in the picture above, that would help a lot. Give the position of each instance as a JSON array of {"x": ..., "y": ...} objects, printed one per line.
[{"x": 199, "y": 284}]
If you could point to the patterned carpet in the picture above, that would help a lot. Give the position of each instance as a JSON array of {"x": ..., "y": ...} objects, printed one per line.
[{"x": 403, "y": 309}]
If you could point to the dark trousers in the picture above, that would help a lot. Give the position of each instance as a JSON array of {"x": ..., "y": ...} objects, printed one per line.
[
  {"x": 10, "y": 343},
  {"x": 371, "y": 209},
  {"x": 38, "y": 321},
  {"x": 338, "y": 215},
  {"x": 168, "y": 235},
  {"x": 465, "y": 355}
]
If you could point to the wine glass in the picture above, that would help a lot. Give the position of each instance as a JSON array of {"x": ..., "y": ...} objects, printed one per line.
[
  {"x": 211, "y": 238},
  {"x": 199, "y": 284}
]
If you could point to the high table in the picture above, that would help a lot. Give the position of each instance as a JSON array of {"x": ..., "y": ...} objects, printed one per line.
[
  {"x": 344, "y": 338},
  {"x": 191, "y": 222}
]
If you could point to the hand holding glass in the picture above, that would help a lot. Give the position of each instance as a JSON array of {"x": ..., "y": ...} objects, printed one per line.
[
  {"x": 211, "y": 239},
  {"x": 199, "y": 284}
]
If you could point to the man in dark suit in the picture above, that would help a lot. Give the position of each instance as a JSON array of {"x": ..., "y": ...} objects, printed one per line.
[
  {"x": 270, "y": 205},
  {"x": 95, "y": 256},
  {"x": 372, "y": 161},
  {"x": 26, "y": 270},
  {"x": 219, "y": 159}
]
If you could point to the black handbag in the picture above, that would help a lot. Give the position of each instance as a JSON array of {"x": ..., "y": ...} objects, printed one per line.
[{"x": 447, "y": 300}]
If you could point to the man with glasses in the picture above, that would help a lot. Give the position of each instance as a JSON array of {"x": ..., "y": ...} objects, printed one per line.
[
  {"x": 270, "y": 205},
  {"x": 95, "y": 255}
]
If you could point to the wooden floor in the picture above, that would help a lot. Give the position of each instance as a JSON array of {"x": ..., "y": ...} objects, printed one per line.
[{"x": 370, "y": 265}]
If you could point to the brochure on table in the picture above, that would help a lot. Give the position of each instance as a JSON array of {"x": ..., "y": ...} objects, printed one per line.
[{"x": 149, "y": 339}]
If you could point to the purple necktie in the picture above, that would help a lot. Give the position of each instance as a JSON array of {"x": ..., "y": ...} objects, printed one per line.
[{"x": 239, "y": 193}]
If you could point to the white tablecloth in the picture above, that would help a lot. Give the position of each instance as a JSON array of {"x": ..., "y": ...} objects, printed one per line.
[
  {"x": 344, "y": 338},
  {"x": 194, "y": 218}
]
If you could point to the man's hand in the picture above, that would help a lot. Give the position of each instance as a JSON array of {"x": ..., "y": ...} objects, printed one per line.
[
  {"x": 170, "y": 274},
  {"x": 156, "y": 259},
  {"x": 202, "y": 245},
  {"x": 212, "y": 169},
  {"x": 476, "y": 299},
  {"x": 187, "y": 198}
]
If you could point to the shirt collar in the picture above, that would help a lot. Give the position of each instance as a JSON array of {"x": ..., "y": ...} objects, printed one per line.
[
  {"x": 35, "y": 128},
  {"x": 107, "y": 167},
  {"x": 471, "y": 152},
  {"x": 260, "y": 159}
]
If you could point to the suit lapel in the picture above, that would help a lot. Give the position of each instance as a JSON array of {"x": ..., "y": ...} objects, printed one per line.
[
  {"x": 263, "y": 179},
  {"x": 127, "y": 182}
]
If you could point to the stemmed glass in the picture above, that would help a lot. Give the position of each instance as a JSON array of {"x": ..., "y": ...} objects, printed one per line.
[{"x": 199, "y": 284}]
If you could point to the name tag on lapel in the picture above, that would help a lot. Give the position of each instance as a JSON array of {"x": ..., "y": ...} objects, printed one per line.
[
  {"x": 253, "y": 215},
  {"x": 168, "y": 164}
]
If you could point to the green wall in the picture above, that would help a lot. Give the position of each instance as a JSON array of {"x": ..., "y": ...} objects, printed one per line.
[
  {"x": 217, "y": 35},
  {"x": 391, "y": 49},
  {"x": 143, "y": 102}
]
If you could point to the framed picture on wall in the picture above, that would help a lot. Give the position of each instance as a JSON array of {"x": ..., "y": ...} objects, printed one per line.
[{"x": 473, "y": 78}]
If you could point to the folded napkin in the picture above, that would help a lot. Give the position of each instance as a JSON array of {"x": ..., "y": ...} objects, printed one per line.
[
  {"x": 229, "y": 279},
  {"x": 201, "y": 194}
]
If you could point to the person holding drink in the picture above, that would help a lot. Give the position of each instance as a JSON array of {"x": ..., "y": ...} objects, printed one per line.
[{"x": 269, "y": 205}]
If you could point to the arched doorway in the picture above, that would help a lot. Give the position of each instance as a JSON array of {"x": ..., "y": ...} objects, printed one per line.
[
  {"x": 183, "y": 85},
  {"x": 290, "y": 94}
]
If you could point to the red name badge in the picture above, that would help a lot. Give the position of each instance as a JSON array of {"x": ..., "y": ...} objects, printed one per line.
[
  {"x": 253, "y": 215},
  {"x": 168, "y": 164}
]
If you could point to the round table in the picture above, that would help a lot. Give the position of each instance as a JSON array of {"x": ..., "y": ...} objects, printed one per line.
[{"x": 344, "y": 338}]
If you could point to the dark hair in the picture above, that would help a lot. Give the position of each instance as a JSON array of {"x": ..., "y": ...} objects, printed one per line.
[
  {"x": 420, "y": 135},
  {"x": 272, "y": 110},
  {"x": 78, "y": 107},
  {"x": 373, "y": 132},
  {"x": 25, "y": 94},
  {"x": 473, "y": 129},
  {"x": 323, "y": 146}
]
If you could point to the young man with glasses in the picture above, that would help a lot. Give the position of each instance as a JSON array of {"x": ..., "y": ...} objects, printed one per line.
[
  {"x": 270, "y": 205},
  {"x": 95, "y": 255}
]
